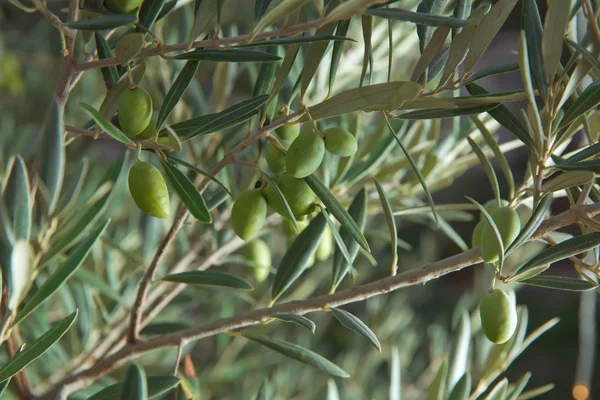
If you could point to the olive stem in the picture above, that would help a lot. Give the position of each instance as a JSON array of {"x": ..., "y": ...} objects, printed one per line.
[{"x": 130, "y": 76}]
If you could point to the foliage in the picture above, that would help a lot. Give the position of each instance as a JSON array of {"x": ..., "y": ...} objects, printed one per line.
[{"x": 337, "y": 124}]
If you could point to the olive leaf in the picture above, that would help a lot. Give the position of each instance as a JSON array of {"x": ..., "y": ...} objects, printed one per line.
[
  {"x": 209, "y": 278},
  {"x": 128, "y": 47},
  {"x": 420, "y": 18},
  {"x": 198, "y": 170},
  {"x": 537, "y": 217},
  {"x": 532, "y": 25},
  {"x": 134, "y": 387},
  {"x": 187, "y": 192},
  {"x": 149, "y": 13},
  {"x": 62, "y": 274},
  {"x": 487, "y": 167},
  {"x": 462, "y": 388},
  {"x": 110, "y": 73},
  {"x": 297, "y": 257},
  {"x": 106, "y": 125},
  {"x": 396, "y": 376},
  {"x": 183, "y": 80},
  {"x": 265, "y": 392},
  {"x": 277, "y": 13},
  {"x": 19, "y": 273},
  {"x": 298, "y": 353},
  {"x": 391, "y": 222},
  {"x": 353, "y": 323},
  {"x": 497, "y": 235},
  {"x": 519, "y": 386},
  {"x": 335, "y": 208},
  {"x": 555, "y": 24},
  {"x": 37, "y": 348},
  {"x": 298, "y": 320},
  {"x": 18, "y": 200},
  {"x": 231, "y": 55},
  {"x": 286, "y": 206},
  {"x": 437, "y": 387},
  {"x": 492, "y": 70},
  {"x": 315, "y": 54},
  {"x": 560, "y": 282},
  {"x": 205, "y": 13},
  {"x": 52, "y": 168},
  {"x": 338, "y": 48},
  {"x": 568, "y": 179},
  {"x": 157, "y": 385}
]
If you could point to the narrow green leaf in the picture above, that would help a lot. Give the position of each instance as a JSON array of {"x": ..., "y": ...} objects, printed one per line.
[
  {"x": 209, "y": 278},
  {"x": 391, "y": 222},
  {"x": 415, "y": 168},
  {"x": 560, "y": 283},
  {"x": 499, "y": 391},
  {"x": 284, "y": 70},
  {"x": 277, "y": 13},
  {"x": 339, "y": 242},
  {"x": 19, "y": 274},
  {"x": 229, "y": 55},
  {"x": 493, "y": 70},
  {"x": 106, "y": 125},
  {"x": 519, "y": 386},
  {"x": 395, "y": 378},
  {"x": 585, "y": 153},
  {"x": 298, "y": 353},
  {"x": 487, "y": 168},
  {"x": 18, "y": 200},
  {"x": 585, "y": 53},
  {"x": 205, "y": 13},
  {"x": 588, "y": 99},
  {"x": 435, "y": 45},
  {"x": 358, "y": 212},
  {"x": 200, "y": 171},
  {"x": 420, "y": 18},
  {"x": 288, "y": 210},
  {"x": 37, "y": 348},
  {"x": 260, "y": 7},
  {"x": 590, "y": 165},
  {"x": 562, "y": 250},
  {"x": 332, "y": 390},
  {"x": 110, "y": 74},
  {"x": 60, "y": 276},
  {"x": 183, "y": 80},
  {"x": 555, "y": 24},
  {"x": 367, "y": 31},
  {"x": 506, "y": 118},
  {"x": 487, "y": 30},
  {"x": 533, "y": 393},
  {"x": 134, "y": 387},
  {"x": 462, "y": 389},
  {"x": 448, "y": 112},
  {"x": 527, "y": 273},
  {"x": 430, "y": 8},
  {"x": 335, "y": 208},
  {"x": 353, "y": 323},
  {"x": 568, "y": 179},
  {"x": 229, "y": 117},
  {"x": 187, "y": 192},
  {"x": 437, "y": 387},
  {"x": 338, "y": 49},
  {"x": 459, "y": 353},
  {"x": 4, "y": 385},
  {"x": 500, "y": 157},
  {"x": 106, "y": 22},
  {"x": 537, "y": 217},
  {"x": 298, "y": 320},
  {"x": 149, "y": 11},
  {"x": 265, "y": 392},
  {"x": 532, "y": 24},
  {"x": 384, "y": 96},
  {"x": 96, "y": 282},
  {"x": 297, "y": 257},
  {"x": 314, "y": 55},
  {"x": 157, "y": 385},
  {"x": 52, "y": 166}
]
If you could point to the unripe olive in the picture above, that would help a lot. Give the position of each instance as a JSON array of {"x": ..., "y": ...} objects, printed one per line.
[
  {"x": 258, "y": 254},
  {"x": 325, "y": 245},
  {"x": 287, "y": 226},
  {"x": 275, "y": 157},
  {"x": 340, "y": 142},
  {"x": 149, "y": 132},
  {"x": 122, "y": 6},
  {"x": 476, "y": 237},
  {"x": 149, "y": 190},
  {"x": 134, "y": 111},
  {"x": 509, "y": 225},
  {"x": 248, "y": 214},
  {"x": 305, "y": 154},
  {"x": 297, "y": 193},
  {"x": 492, "y": 205},
  {"x": 288, "y": 132},
  {"x": 498, "y": 316}
]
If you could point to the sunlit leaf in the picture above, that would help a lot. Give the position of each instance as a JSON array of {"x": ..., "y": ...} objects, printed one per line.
[
  {"x": 298, "y": 320},
  {"x": 19, "y": 275},
  {"x": 560, "y": 283},
  {"x": 314, "y": 55},
  {"x": 532, "y": 24},
  {"x": 353, "y": 323},
  {"x": 298, "y": 353},
  {"x": 106, "y": 125},
  {"x": 436, "y": 389},
  {"x": 555, "y": 24},
  {"x": 52, "y": 166},
  {"x": 391, "y": 223},
  {"x": 209, "y": 278},
  {"x": 187, "y": 192},
  {"x": 537, "y": 217}
]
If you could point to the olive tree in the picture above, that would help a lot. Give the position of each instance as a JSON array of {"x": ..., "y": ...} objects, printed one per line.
[{"x": 213, "y": 178}]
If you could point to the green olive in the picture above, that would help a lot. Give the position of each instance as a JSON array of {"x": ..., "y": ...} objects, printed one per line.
[
  {"x": 325, "y": 245},
  {"x": 134, "y": 111},
  {"x": 149, "y": 132},
  {"x": 288, "y": 132},
  {"x": 476, "y": 237},
  {"x": 492, "y": 205},
  {"x": 248, "y": 214},
  {"x": 340, "y": 142},
  {"x": 498, "y": 316},
  {"x": 297, "y": 193},
  {"x": 509, "y": 225},
  {"x": 275, "y": 157},
  {"x": 123, "y": 6},
  {"x": 305, "y": 154},
  {"x": 258, "y": 254},
  {"x": 149, "y": 190},
  {"x": 290, "y": 232}
]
